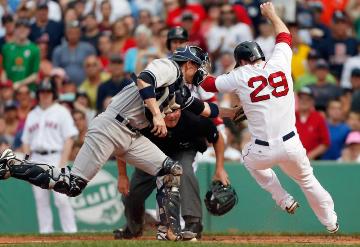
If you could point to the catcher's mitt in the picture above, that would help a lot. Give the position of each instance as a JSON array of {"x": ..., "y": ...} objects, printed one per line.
[
  {"x": 239, "y": 115},
  {"x": 220, "y": 199}
]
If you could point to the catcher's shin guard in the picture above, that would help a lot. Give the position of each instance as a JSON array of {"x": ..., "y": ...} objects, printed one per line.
[{"x": 168, "y": 198}]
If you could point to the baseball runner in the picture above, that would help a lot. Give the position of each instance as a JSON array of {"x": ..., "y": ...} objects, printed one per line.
[
  {"x": 115, "y": 131},
  {"x": 48, "y": 137},
  {"x": 187, "y": 134},
  {"x": 266, "y": 93}
]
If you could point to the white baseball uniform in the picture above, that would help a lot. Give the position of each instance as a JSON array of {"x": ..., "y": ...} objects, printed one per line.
[
  {"x": 266, "y": 93},
  {"x": 45, "y": 132}
]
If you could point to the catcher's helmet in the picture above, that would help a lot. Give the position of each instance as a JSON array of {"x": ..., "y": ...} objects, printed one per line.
[
  {"x": 190, "y": 53},
  {"x": 176, "y": 33},
  {"x": 47, "y": 85},
  {"x": 249, "y": 51},
  {"x": 220, "y": 199}
]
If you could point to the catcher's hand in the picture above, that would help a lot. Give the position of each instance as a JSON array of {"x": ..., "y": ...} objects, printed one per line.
[{"x": 239, "y": 115}]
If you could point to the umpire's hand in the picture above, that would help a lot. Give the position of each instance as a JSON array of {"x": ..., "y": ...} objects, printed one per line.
[
  {"x": 123, "y": 185},
  {"x": 159, "y": 126}
]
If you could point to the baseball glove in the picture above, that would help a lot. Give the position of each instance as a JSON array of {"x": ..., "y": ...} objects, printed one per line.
[
  {"x": 239, "y": 115},
  {"x": 220, "y": 199}
]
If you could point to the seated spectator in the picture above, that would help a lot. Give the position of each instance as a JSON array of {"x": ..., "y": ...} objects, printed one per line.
[
  {"x": 91, "y": 31},
  {"x": 311, "y": 126},
  {"x": 266, "y": 38},
  {"x": 228, "y": 34},
  {"x": 94, "y": 77},
  {"x": 104, "y": 47},
  {"x": 105, "y": 22},
  {"x": 70, "y": 15},
  {"x": 355, "y": 83},
  {"x": 323, "y": 91},
  {"x": 195, "y": 37},
  {"x": 81, "y": 125},
  {"x": 6, "y": 94},
  {"x": 43, "y": 26},
  {"x": 114, "y": 84},
  {"x": 24, "y": 104},
  {"x": 9, "y": 25},
  {"x": 352, "y": 151},
  {"x": 340, "y": 46},
  {"x": 71, "y": 54},
  {"x": 59, "y": 76},
  {"x": 11, "y": 122},
  {"x": 121, "y": 39},
  {"x": 353, "y": 121},
  {"x": 138, "y": 57},
  {"x": 82, "y": 103},
  {"x": 45, "y": 64},
  {"x": 21, "y": 59},
  {"x": 338, "y": 130},
  {"x": 350, "y": 65},
  {"x": 309, "y": 78},
  {"x": 144, "y": 18}
]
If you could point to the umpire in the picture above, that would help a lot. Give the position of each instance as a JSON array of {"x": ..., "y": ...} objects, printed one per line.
[{"x": 187, "y": 135}]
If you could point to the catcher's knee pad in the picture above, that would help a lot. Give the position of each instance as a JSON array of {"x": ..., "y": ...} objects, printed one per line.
[{"x": 171, "y": 173}]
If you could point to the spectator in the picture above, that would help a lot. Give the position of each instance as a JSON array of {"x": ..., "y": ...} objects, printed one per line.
[
  {"x": 71, "y": 54},
  {"x": 81, "y": 125},
  {"x": 94, "y": 77},
  {"x": 226, "y": 63},
  {"x": 105, "y": 23},
  {"x": 45, "y": 27},
  {"x": 104, "y": 48},
  {"x": 145, "y": 18},
  {"x": 121, "y": 40},
  {"x": 9, "y": 25},
  {"x": 11, "y": 122},
  {"x": 340, "y": 46},
  {"x": 181, "y": 7},
  {"x": 228, "y": 34},
  {"x": 212, "y": 19},
  {"x": 338, "y": 130},
  {"x": 350, "y": 64},
  {"x": 6, "y": 94},
  {"x": 24, "y": 104},
  {"x": 311, "y": 126},
  {"x": 266, "y": 38},
  {"x": 352, "y": 151},
  {"x": 114, "y": 84},
  {"x": 82, "y": 103},
  {"x": 58, "y": 75},
  {"x": 195, "y": 37},
  {"x": 252, "y": 9},
  {"x": 309, "y": 78},
  {"x": 355, "y": 83},
  {"x": 320, "y": 33},
  {"x": 138, "y": 57},
  {"x": 119, "y": 9},
  {"x": 353, "y": 121},
  {"x": 70, "y": 15},
  {"x": 300, "y": 52},
  {"x": 21, "y": 59},
  {"x": 323, "y": 91},
  {"x": 91, "y": 32},
  {"x": 161, "y": 42},
  {"x": 45, "y": 63}
]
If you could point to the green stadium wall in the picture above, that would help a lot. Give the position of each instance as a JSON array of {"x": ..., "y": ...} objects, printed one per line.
[{"x": 99, "y": 208}]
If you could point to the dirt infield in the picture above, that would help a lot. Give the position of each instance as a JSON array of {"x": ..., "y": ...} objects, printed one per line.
[{"x": 247, "y": 239}]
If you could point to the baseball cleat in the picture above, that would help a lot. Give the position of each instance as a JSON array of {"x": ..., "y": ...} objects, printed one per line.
[
  {"x": 333, "y": 230},
  {"x": 7, "y": 158},
  {"x": 165, "y": 234},
  {"x": 192, "y": 231},
  {"x": 125, "y": 234},
  {"x": 292, "y": 208}
]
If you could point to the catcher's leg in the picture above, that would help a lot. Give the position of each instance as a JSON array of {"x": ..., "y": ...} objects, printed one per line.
[
  {"x": 168, "y": 198},
  {"x": 42, "y": 175}
]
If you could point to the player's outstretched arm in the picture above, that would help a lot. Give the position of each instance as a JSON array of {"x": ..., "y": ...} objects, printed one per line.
[
  {"x": 268, "y": 11},
  {"x": 220, "y": 173}
]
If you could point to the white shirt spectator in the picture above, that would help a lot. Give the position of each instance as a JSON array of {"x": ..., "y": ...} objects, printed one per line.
[
  {"x": 267, "y": 45},
  {"x": 54, "y": 11},
  {"x": 232, "y": 36},
  {"x": 120, "y": 8},
  {"x": 350, "y": 64}
]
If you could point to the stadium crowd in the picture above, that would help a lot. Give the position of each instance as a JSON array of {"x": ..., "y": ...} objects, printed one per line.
[{"x": 89, "y": 48}]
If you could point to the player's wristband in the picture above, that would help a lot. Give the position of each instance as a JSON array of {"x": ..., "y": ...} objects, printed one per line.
[
  {"x": 214, "y": 110},
  {"x": 147, "y": 92}
]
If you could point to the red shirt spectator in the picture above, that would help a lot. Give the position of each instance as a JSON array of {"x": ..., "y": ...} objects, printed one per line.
[
  {"x": 241, "y": 14},
  {"x": 197, "y": 11},
  {"x": 311, "y": 126}
]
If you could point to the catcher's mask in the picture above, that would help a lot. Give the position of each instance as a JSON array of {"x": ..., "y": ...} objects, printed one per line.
[{"x": 220, "y": 199}]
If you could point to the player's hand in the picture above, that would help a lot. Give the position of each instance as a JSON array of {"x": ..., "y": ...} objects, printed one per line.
[
  {"x": 123, "y": 185},
  {"x": 222, "y": 176},
  {"x": 159, "y": 126},
  {"x": 268, "y": 10}
]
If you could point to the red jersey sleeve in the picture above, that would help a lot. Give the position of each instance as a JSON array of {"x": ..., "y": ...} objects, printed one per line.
[
  {"x": 209, "y": 84},
  {"x": 283, "y": 37}
]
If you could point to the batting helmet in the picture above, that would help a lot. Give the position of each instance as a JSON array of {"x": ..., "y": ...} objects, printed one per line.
[
  {"x": 220, "y": 199},
  {"x": 249, "y": 51},
  {"x": 47, "y": 85},
  {"x": 176, "y": 33}
]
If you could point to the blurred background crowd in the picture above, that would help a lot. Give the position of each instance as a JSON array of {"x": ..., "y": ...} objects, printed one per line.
[{"x": 89, "y": 47}]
